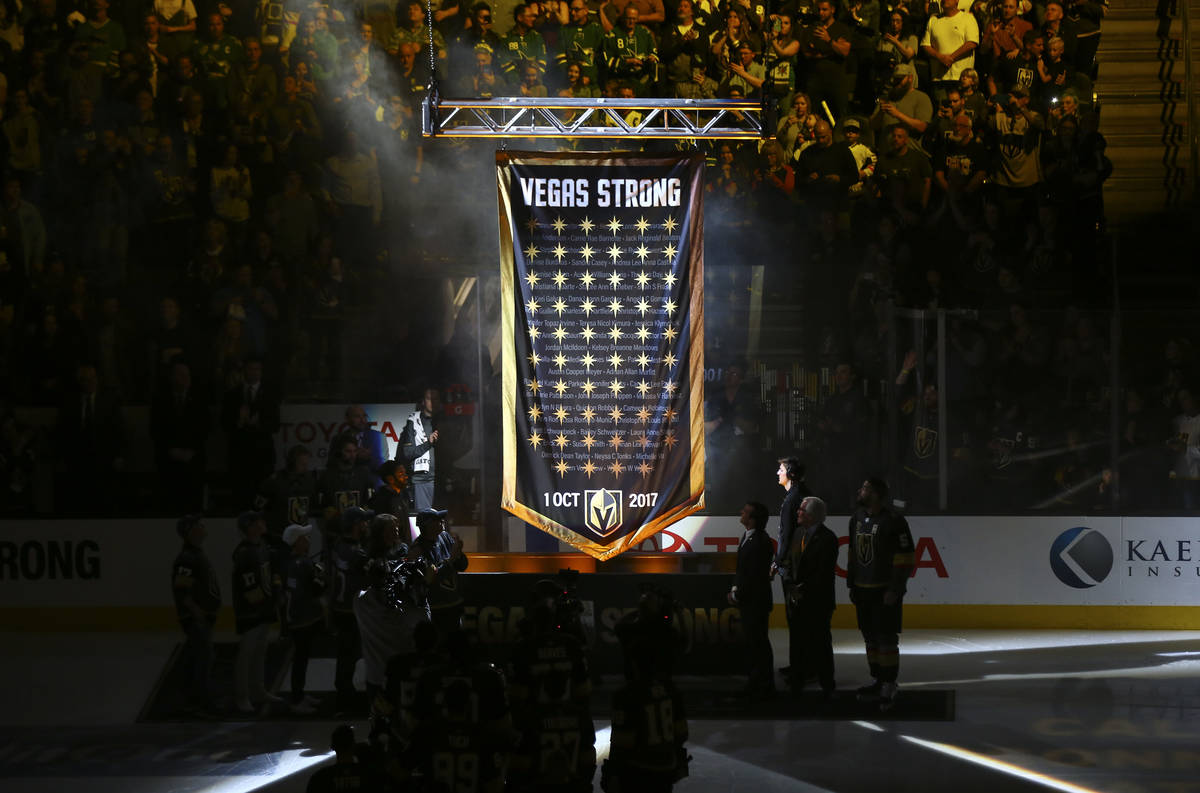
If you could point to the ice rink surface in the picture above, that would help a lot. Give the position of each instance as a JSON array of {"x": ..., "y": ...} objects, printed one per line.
[{"x": 1113, "y": 711}]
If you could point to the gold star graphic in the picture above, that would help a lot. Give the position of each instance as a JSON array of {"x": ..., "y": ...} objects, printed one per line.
[
  {"x": 643, "y": 440},
  {"x": 560, "y": 361},
  {"x": 643, "y": 360},
  {"x": 645, "y": 468},
  {"x": 643, "y": 306},
  {"x": 587, "y": 307},
  {"x": 616, "y": 442},
  {"x": 561, "y": 441},
  {"x": 560, "y": 387},
  {"x": 669, "y": 440},
  {"x": 559, "y": 224},
  {"x": 533, "y": 332},
  {"x": 587, "y": 360},
  {"x": 588, "y": 440},
  {"x": 670, "y": 224},
  {"x": 670, "y": 415},
  {"x": 587, "y": 252},
  {"x": 586, "y": 279},
  {"x": 669, "y": 305},
  {"x": 614, "y": 252},
  {"x": 616, "y": 467},
  {"x": 615, "y": 414},
  {"x": 615, "y": 360},
  {"x": 534, "y": 439},
  {"x": 532, "y": 278},
  {"x": 615, "y": 386},
  {"x": 535, "y": 413},
  {"x": 670, "y": 251},
  {"x": 561, "y": 413},
  {"x": 614, "y": 306},
  {"x": 643, "y": 387},
  {"x": 531, "y": 224},
  {"x": 615, "y": 332},
  {"x": 559, "y": 252},
  {"x": 589, "y": 469},
  {"x": 559, "y": 307},
  {"x": 533, "y": 358},
  {"x": 562, "y": 468},
  {"x": 559, "y": 333},
  {"x": 643, "y": 333},
  {"x": 643, "y": 415},
  {"x": 614, "y": 225},
  {"x": 670, "y": 333},
  {"x": 532, "y": 251},
  {"x": 533, "y": 386},
  {"x": 586, "y": 225},
  {"x": 531, "y": 306},
  {"x": 588, "y": 414},
  {"x": 670, "y": 387},
  {"x": 669, "y": 279},
  {"x": 588, "y": 387},
  {"x": 642, "y": 279},
  {"x": 615, "y": 279},
  {"x": 641, "y": 225},
  {"x": 587, "y": 333},
  {"x": 642, "y": 252},
  {"x": 669, "y": 359}
]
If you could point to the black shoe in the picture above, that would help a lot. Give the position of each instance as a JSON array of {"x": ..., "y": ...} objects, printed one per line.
[
  {"x": 786, "y": 671},
  {"x": 869, "y": 693},
  {"x": 887, "y": 696}
]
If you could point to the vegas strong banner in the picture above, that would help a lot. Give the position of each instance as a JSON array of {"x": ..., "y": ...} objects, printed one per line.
[{"x": 603, "y": 323}]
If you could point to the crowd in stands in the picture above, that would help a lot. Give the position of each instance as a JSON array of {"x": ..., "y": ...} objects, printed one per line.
[{"x": 200, "y": 197}]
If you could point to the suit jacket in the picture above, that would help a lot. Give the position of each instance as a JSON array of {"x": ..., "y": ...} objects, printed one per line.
[
  {"x": 813, "y": 567},
  {"x": 96, "y": 442},
  {"x": 179, "y": 426},
  {"x": 787, "y": 525},
  {"x": 253, "y": 439},
  {"x": 753, "y": 577}
]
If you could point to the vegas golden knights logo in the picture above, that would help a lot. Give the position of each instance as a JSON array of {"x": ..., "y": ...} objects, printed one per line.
[
  {"x": 864, "y": 543},
  {"x": 602, "y": 510},
  {"x": 924, "y": 441},
  {"x": 297, "y": 509}
]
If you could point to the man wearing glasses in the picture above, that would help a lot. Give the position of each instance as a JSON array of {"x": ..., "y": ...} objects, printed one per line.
[{"x": 579, "y": 42}]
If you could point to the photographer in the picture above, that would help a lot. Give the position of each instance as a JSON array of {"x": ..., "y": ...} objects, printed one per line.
[
  {"x": 745, "y": 73},
  {"x": 902, "y": 104},
  {"x": 386, "y": 612},
  {"x": 1018, "y": 132},
  {"x": 443, "y": 554}
]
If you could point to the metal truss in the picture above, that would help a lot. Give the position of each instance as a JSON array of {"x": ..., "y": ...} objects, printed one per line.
[{"x": 539, "y": 117}]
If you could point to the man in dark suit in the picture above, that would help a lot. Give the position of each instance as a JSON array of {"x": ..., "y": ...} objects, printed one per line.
[
  {"x": 751, "y": 593},
  {"x": 372, "y": 446},
  {"x": 250, "y": 418},
  {"x": 91, "y": 441},
  {"x": 179, "y": 422},
  {"x": 810, "y": 595},
  {"x": 790, "y": 475}
]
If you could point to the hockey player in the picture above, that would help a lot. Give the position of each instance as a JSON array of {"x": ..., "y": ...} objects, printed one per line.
[
  {"x": 303, "y": 611},
  {"x": 347, "y": 579},
  {"x": 197, "y": 601},
  {"x": 649, "y": 726},
  {"x": 556, "y": 752},
  {"x": 881, "y": 559},
  {"x": 254, "y": 611}
]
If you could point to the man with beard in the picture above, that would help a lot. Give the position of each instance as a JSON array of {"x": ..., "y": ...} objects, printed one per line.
[
  {"x": 418, "y": 442},
  {"x": 903, "y": 104},
  {"x": 344, "y": 483},
  {"x": 881, "y": 558},
  {"x": 962, "y": 164},
  {"x": 580, "y": 41},
  {"x": 391, "y": 498}
]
